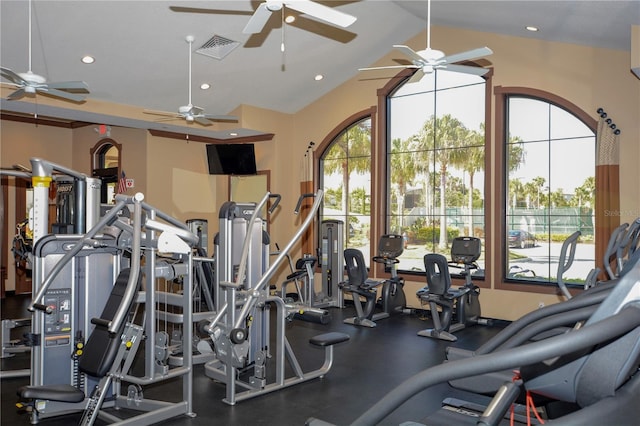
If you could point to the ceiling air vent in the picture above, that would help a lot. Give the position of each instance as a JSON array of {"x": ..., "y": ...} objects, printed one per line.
[{"x": 217, "y": 47}]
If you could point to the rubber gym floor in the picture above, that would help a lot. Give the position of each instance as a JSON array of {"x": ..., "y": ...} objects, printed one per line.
[{"x": 366, "y": 367}]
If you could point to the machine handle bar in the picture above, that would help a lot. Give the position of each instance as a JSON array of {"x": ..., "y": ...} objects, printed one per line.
[
  {"x": 302, "y": 197},
  {"x": 277, "y": 198}
]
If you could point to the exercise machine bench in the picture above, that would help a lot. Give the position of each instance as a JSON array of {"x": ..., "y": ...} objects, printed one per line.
[{"x": 327, "y": 341}]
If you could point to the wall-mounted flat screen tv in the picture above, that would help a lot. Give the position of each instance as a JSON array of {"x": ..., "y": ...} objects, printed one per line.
[{"x": 231, "y": 159}]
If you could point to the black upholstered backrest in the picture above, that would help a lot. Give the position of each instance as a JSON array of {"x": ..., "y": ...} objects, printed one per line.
[
  {"x": 437, "y": 271},
  {"x": 356, "y": 267},
  {"x": 101, "y": 348},
  {"x": 302, "y": 262}
]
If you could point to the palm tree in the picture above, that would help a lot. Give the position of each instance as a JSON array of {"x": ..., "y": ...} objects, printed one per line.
[
  {"x": 350, "y": 152},
  {"x": 473, "y": 164},
  {"x": 446, "y": 135},
  {"x": 583, "y": 195},
  {"x": 515, "y": 188},
  {"x": 538, "y": 183},
  {"x": 515, "y": 158},
  {"x": 403, "y": 172}
]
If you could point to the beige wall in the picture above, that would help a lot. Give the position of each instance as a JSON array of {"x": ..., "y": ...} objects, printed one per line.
[
  {"x": 173, "y": 173},
  {"x": 18, "y": 143}
]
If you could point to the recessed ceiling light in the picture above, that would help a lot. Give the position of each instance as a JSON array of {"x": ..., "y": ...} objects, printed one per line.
[
  {"x": 88, "y": 59},
  {"x": 289, "y": 19},
  {"x": 318, "y": 77},
  {"x": 531, "y": 28},
  {"x": 205, "y": 86},
  {"x": 233, "y": 134}
]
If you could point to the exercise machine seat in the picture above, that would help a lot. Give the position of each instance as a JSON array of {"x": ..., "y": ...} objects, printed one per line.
[
  {"x": 301, "y": 268},
  {"x": 357, "y": 276},
  {"x": 438, "y": 293},
  {"x": 359, "y": 284},
  {"x": 62, "y": 393},
  {"x": 437, "y": 273}
]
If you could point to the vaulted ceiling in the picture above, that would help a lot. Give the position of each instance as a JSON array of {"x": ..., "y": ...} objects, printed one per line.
[{"x": 141, "y": 57}]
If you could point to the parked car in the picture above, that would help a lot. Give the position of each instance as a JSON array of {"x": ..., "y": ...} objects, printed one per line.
[{"x": 522, "y": 239}]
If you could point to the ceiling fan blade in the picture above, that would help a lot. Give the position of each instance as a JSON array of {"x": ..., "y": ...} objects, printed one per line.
[
  {"x": 388, "y": 67},
  {"x": 61, "y": 94},
  {"x": 20, "y": 93},
  {"x": 162, "y": 113},
  {"x": 210, "y": 11},
  {"x": 409, "y": 52},
  {"x": 203, "y": 121},
  {"x": 12, "y": 76},
  {"x": 322, "y": 12},
  {"x": 162, "y": 120},
  {"x": 258, "y": 20},
  {"x": 232, "y": 118},
  {"x": 71, "y": 86},
  {"x": 416, "y": 77},
  {"x": 465, "y": 69},
  {"x": 10, "y": 84},
  {"x": 468, "y": 55}
]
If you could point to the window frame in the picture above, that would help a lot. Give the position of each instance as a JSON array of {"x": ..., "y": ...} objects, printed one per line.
[
  {"x": 502, "y": 95},
  {"x": 383, "y": 145},
  {"x": 319, "y": 152}
]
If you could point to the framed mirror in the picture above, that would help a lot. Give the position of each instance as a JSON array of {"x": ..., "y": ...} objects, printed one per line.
[{"x": 250, "y": 189}]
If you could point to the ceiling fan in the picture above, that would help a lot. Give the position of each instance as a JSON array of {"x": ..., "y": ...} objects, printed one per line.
[
  {"x": 28, "y": 83},
  {"x": 324, "y": 13},
  {"x": 190, "y": 112},
  {"x": 428, "y": 60}
]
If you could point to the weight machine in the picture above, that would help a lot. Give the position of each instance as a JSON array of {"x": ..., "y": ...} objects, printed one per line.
[
  {"x": 332, "y": 264},
  {"x": 240, "y": 331},
  {"x": 73, "y": 276},
  {"x": 77, "y": 209}
]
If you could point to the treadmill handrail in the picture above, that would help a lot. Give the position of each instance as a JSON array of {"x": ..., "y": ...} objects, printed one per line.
[{"x": 605, "y": 330}]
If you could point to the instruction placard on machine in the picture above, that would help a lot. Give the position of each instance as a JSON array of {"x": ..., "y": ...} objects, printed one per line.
[{"x": 57, "y": 325}]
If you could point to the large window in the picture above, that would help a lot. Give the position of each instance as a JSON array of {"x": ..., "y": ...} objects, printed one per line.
[
  {"x": 345, "y": 177},
  {"x": 436, "y": 164},
  {"x": 549, "y": 187}
]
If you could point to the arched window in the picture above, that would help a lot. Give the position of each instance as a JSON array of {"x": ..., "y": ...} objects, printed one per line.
[
  {"x": 106, "y": 164},
  {"x": 548, "y": 186},
  {"x": 345, "y": 177},
  {"x": 436, "y": 163}
]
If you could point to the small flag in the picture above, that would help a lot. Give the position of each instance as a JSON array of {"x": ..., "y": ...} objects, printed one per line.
[{"x": 122, "y": 183}]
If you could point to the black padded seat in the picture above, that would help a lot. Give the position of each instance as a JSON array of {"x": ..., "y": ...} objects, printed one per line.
[
  {"x": 359, "y": 284},
  {"x": 102, "y": 347},
  {"x": 62, "y": 393},
  {"x": 301, "y": 269},
  {"x": 329, "y": 339}
]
